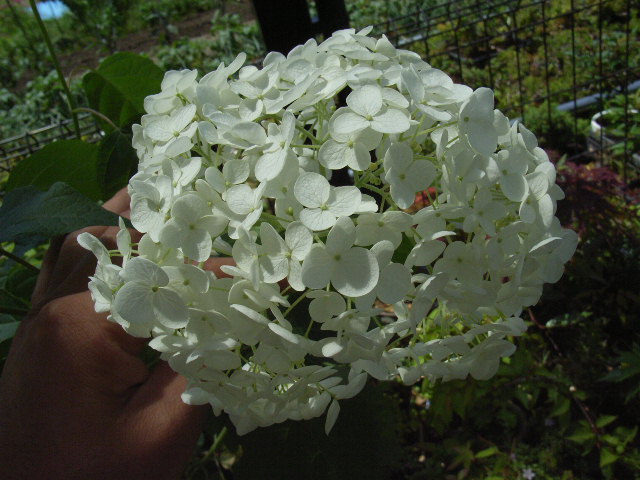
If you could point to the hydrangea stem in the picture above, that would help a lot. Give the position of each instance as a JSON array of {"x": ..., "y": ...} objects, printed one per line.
[
  {"x": 56, "y": 63},
  {"x": 19, "y": 260}
]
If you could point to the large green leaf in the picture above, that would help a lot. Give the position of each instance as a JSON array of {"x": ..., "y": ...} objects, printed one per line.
[
  {"x": 30, "y": 217},
  {"x": 364, "y": 443},
  {"x": 117, "y": 162},
  {"x": 118, "y": 87},
  {"x": 70, "y": 161}
]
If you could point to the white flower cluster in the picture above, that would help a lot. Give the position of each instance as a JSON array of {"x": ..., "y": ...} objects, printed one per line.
[{"x": 239, "y": 165}]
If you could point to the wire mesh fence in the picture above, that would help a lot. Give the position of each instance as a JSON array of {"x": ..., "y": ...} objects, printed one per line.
[
  {"x": 16, "y": 148},
  {"x": 569, "y": 69},
  {"x": 560, "y": 66}
]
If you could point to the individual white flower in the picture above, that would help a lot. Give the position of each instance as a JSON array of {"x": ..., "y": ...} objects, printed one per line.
[
  {"x": 374, "y": 227},
  {"x": 281, "y": 258},
  {"x": 323, "y": 203},
  {"x": 353, "y": 271},
  {"x": 179, "y": 126},
  {"x": 150, "y": 203},
  {"x": 272, "y": 161},
  {"x": 247, "y": 203},
  {"x": 192, "y": 227},
  {"x": 394, "y": 281},
  {"x": 350, "y": 150},
  {"x": 144, "y": 299},
  {"x": 406, "y": 174},
  {"x": 476, "y": 121},
  {"x": 367, "y": 109},
  {"x": 459, "y": 261}
]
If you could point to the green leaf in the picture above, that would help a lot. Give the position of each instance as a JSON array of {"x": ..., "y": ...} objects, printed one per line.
[
  {"x": 581, "y": 436},
  {"x": 70, "y": 161},
  {"x": 607, "y": 457},
  {"x": 30, "y": 217},
  {"x": 21, "y": 282},
  {"x": 118, "y": 87},
  {"x": 116, "y": 162},
  {"x": 561, "y": 407},
  {"x": 8, "y": 330},
  {"x": 605, "y": 420},
  {"x": 487, "y": 452}
]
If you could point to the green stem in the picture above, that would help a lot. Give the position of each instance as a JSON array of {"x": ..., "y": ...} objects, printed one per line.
[
  {"x": 97, "y": 114},
  {"x": 296, "y": 302},
  {"x": 19, "y": 260},
  {"x": 56, "y": 63},
  {"x": 216, "y": 444},
  {"x": 306, "y": 334}
]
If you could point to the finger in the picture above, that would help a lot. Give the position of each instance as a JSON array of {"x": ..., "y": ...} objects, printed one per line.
[
  {"x": 214, "y": 264},
  {"x": 161, "y": 417},
  {"x": 119, "y": 203}
]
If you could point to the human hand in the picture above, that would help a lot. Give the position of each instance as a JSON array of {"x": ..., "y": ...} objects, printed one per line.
[{"x": 76, "y": 401}]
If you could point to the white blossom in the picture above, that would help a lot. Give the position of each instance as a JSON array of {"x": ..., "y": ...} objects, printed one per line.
[{"x": 312, "y": 261}]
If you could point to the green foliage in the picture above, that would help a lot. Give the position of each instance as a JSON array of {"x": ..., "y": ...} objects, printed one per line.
[
  {"x": 555, "y": 129},
  {"x": 42, "y": 103},
  {"x": 229, "y": 36},
  {"x": 104, "y": 20},
  {"x": 30, "y": 217},
  {"x": 161, "y": 14},
  {"x": 118, "y": 87},
  {"x": 627, "y": 372},
  {"x": 70, "y": 161},
  {"x": 116, "y": 162}
]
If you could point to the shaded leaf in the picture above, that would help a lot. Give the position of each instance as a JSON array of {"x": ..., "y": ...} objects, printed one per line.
[
  {"x": 70, "y": 161},
  {"x": 487, "y": 452},
  {"x": 30, "y": 217},
  {"x": 118, "y": 87},
  {"x": 607, "y": 457},
  {"x": 116, "y": 162},
  {"x": 8, "y": 330},
  {"x": 605, "y": 420},
  {"x": 362, "y": 444}
]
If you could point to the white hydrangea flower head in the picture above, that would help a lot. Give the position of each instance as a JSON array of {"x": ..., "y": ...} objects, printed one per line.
[{"x": 240, "y": 163}]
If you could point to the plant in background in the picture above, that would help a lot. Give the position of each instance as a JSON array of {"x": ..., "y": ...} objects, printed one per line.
[
  {"x": 240, "y": 165},
  {"x": 42, "y": 103},
  {"x": 101, "y": 19}
]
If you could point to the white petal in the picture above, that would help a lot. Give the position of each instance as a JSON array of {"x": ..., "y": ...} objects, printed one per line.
[
  {"x": 332, "y": 416},
  {"x": 133, "y": 303},
  {"x": 312, "y": 190},
  {"x": 146, "y": 272},
  {"x": 391, "y": 121},
  {"x": 342, "y": 236},
  {"x": 366, "y": 100},
  {"x": 240, "y": 199},
  {"x": 394, "y": 284},
  {"x": 356, "y": 274},
  {"x": 344, "y": 201},
  {"x": 514, "y": 187},
  {"x": 317, "y": 219},
  {"x": 333, "y": 155},
  {"x": 299, "y": 239},
  {"x": 349, "y": 122},
  {"x": 317, "y": 267},
  {"x": 170, "y": 309},
  {"x": 236, "y": 171}
]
